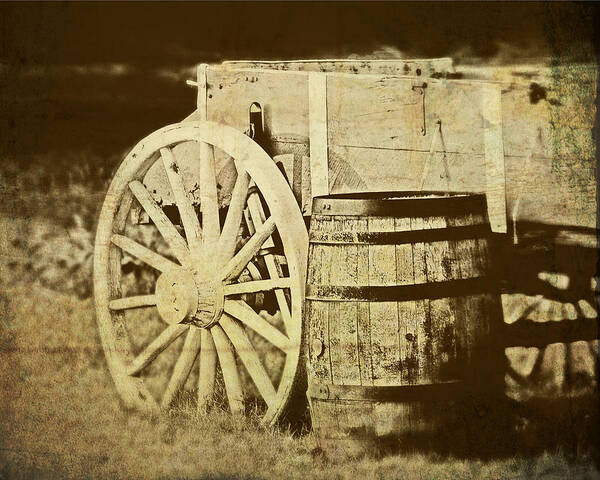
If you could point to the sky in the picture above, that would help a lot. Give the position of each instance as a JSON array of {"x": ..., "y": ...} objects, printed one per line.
[{"x": 100, "y": 76}]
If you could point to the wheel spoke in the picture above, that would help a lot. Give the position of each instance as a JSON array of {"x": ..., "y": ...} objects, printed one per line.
[
  {"x": 244, "y": 313},
  {"x": 228, "y": 239},
  {"x": 190, "y": 222},
  {"x": 209, "y": 203},
  {"x": 168, "y": 336},
  {"x": 163, "y": 224},
  {"x": 132, "y": 302},
  {"x": 142, "y": 253},
  {"x": 235, "y": 266},
  {"x": 279, "y": 294},
  {"x": 207, "y": 370},
  {"x": 256, "y": 286},
  {"x": 257, "y": 214},
  {"x": 231, "y": 376},
  {"x": 249, "y": 358},
  {"x": 183, "y": 367}
]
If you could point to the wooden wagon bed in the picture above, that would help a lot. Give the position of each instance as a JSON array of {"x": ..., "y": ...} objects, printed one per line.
[{"x": 365, "y": 125}]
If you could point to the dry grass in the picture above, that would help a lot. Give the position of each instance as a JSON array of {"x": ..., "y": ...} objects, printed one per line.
[{"x": 61, "y": 417}]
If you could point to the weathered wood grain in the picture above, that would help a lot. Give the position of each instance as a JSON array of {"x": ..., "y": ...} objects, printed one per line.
[
  {"x": 383, "y": 315},
  {"x": 317, "y": 129},
  {"x": 425, "y": 67},
  {"x": 343, "y": 316},
  {"x": 369, "y": 113}
]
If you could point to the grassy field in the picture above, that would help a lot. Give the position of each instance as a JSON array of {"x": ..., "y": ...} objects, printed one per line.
[{"x": 61, "y": 417}]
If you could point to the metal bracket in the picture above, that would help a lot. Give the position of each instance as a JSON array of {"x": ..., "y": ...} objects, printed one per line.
[{"x": 420, "y": 89}]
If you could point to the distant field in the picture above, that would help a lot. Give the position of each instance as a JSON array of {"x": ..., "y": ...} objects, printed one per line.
[{"x": 61, "y": 417}]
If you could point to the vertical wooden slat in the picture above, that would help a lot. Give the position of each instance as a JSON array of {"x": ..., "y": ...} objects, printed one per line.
[
  {"x": 201, "y": 103},
  {"x": 317, "y": 311},
  {"x": 343, "y": 315},
  {"x": 407, "y": 340},
  {"x": 441, "y": 316},
  {"x": 455, "y": 253},
  {"x": 494, "y": 157},
  {"x": 384, "y": 315},
  {"x": 463, "y": 309},
  {"x": 363, "y": 321},
  {"x": 421, "y": 306},
  {"x": 317, "y": 120}
]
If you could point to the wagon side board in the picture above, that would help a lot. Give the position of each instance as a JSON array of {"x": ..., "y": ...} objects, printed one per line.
[{"x": 391, "y": 132}]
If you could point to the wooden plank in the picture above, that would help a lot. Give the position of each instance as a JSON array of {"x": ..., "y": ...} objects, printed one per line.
[
  {"x": 450, "y": 100},
  {"x": 420, "y": 67},
  {"x": 202, "y": 84},
  {"x": 384, "y": 315},
  {"x": 494, "y": 158},
  {"x": 317, "y": 119},
  {"x": 376, "y": 169}
]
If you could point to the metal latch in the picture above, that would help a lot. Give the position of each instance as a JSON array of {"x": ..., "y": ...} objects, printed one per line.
[{"x": 256, "y": 123}]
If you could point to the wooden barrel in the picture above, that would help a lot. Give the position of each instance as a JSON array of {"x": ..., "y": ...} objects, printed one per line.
[{"x": 400, "y": 309}]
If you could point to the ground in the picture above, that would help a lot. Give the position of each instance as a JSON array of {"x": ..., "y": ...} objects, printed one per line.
[{"x": 61, "y": 416}]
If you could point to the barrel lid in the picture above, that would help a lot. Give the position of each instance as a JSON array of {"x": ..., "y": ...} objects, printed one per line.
[{"x": 400, "y": 204}]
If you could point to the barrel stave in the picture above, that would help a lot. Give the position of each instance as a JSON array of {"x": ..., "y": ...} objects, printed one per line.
[
  {"x": 384, "y": 315},
  {"x": 343, "y": 316}
]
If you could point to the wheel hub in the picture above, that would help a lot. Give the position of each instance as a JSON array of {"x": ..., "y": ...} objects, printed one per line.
[
  {"x": 210, "y": 301},
  {"x": 184, "y": 296}
]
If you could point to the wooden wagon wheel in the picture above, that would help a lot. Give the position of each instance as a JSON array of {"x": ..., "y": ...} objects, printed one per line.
[{"x": 198, "y": 292}]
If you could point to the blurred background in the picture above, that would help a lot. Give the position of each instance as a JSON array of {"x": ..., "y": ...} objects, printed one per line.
[{"x": 99, "y": 76}]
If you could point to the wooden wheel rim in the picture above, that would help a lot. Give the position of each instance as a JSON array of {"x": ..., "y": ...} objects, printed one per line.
[{"x": 283, "y": 209}]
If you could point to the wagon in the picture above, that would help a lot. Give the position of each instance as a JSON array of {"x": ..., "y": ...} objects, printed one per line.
[{"x": 201, "y": 248}]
